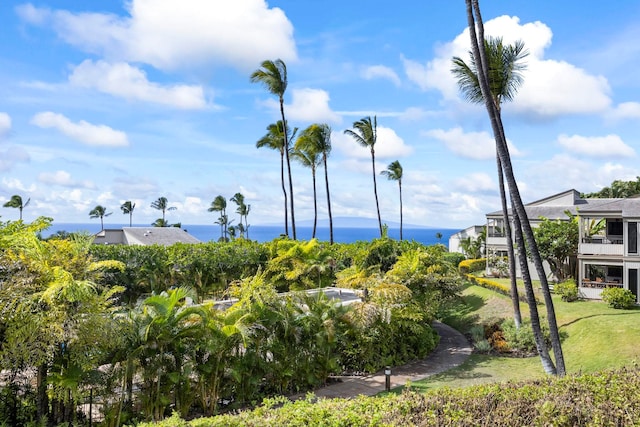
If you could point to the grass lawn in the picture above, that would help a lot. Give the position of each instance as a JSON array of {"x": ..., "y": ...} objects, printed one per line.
[{"x": 596, "y": 337}]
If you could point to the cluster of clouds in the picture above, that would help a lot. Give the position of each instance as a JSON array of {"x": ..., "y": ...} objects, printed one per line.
[{"x": 155, "y": 36}]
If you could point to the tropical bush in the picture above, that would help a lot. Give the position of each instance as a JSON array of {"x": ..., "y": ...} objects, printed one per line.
[
  {"x": 567, "y": 290},
  {"x": 619, "y": 298}
]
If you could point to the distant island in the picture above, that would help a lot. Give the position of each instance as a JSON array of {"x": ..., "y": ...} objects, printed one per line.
[{"x": 352, "y": 222}]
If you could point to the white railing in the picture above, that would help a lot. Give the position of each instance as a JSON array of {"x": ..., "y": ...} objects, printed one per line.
[{"x": 600, "y": 249}]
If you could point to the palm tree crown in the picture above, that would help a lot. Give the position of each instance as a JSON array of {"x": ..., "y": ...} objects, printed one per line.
[
  {"x": 162, "y": 204},
  {"x": 99, "y": 212},
  {"x": 127, "y": 209},
  {"x": 365, "y": 134},
  {"x": 16, "y": 202},
  {"x": 505, "y": 72},
  {"x": 219, "y": 204}
]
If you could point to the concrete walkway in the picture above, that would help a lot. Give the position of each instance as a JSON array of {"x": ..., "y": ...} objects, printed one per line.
[{"x": 452, "y": 350}]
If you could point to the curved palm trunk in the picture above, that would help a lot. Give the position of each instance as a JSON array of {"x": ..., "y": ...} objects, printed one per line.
[
  {"x": 400, "y": 188},
  {"x": 515, "y": 298},
  {"x": 543, "y": 351},
  {"x": 326, "y": 183},
  {"x": 286, "y": 152},
  {"x": 375, "y": 188},
  {"x": 516, "y": 200},
  {"x": 284, "y": 192}
]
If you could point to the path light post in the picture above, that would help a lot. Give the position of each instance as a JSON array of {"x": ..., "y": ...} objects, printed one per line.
[{"x": 387, "y": 377}]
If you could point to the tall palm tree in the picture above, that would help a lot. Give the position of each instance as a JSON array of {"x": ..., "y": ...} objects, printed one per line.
[
  {"x": 127, "y": 208},
  {"x": 319, "y": 136},
  {"x": 394, "y": 173},
  {"x": 505, "y": 77},
  {"x": 242, "y": 210},
  {"x": 16, "y": 202},
  {"x": 273, "y": 75},
  {"x": 219, "y": 204},
  {"x": 275, "y": 140},
  {"x": 162, "y": 204},
  {"x": 523, "y": 227},
  {"x": 365, "y": 134},
  {"x": 306, "y": 152},
  {"x": 99, "y": 212}
]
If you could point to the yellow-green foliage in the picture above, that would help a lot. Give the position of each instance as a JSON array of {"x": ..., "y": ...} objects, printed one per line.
[
  {"x": 471, "y": 265},
  {"x": 489, "y": 284},
  {"x": 607, "y": 398}
]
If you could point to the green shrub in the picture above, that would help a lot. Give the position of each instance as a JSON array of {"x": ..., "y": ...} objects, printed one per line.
[
  {"x": 619, "y": 298},
  {"x": 567, "y": 290},
  {"x": 522, "y": 339},
  {"x": 471, "y": 265}
]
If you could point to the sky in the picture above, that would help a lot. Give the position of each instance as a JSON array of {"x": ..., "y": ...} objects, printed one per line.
[{"x": 104, "y": 102}]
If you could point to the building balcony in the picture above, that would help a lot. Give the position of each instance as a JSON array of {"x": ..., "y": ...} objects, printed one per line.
[{"x": 601, "y": 248}]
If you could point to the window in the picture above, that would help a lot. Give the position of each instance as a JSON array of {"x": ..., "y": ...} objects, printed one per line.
[
  {"x": 614, "y": 228},
  {"x": 632, "y": 237}
]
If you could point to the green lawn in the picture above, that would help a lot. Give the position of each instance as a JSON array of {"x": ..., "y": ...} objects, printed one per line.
[{"x": 596, "y": 337}]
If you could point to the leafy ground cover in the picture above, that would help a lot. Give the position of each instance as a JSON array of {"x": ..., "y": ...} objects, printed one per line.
[{"x": 606, "y": 398}]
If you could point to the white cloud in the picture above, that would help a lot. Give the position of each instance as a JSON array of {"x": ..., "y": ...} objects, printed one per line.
[
  {"x": 172, "y": 34},
  {"x": 5, "y": 124},
  {"x": 550, "y": 87},
  {"x": 625, "y": 110},
  {"x": 471, "y": 145},
  {"x": 82, "y": 131},
  {"x": 380, "y": 72},
  {"x": 596, "y": 146},
  {"x": 11, "y": 156},
  {"x": 308, "y": 105},
  {"x": 388, "y": 145},
  {"x": 553, "y": 88},
  {"x": 476, "y": 182},
  {"x": 541, "y": 178},
  {"x": 123, "y": 80},
  {"x": 16, "y": 184},
  {"x": 63, "y": 179}
]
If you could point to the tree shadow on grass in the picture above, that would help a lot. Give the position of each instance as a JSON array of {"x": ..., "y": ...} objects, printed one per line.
[{"x": 633, "y": 311}]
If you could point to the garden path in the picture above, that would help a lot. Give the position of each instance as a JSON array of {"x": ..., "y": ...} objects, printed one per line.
[{"x": 452, "y": 350}]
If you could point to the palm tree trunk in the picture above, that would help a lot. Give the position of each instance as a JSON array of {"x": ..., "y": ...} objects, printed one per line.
[
  {"x": 516, "y": 200},
  {"x": 284, "y": 192},
  {"x": 400, "y": 187},
  {"x": 315, "y": 204},
  {"x": 543, "y": 352},
  {"x": 515, "y": 298},
  {"x": 326, "y": 183},
  {"x": 375, "y": 188},
  {"x": 286, "y": 152}
]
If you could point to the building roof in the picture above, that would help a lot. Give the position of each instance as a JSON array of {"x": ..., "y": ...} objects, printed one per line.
[
  {"x": 556, "y": 206},
  {"x": 627, "y": 208},
  {"x": 164, "y": 236}
]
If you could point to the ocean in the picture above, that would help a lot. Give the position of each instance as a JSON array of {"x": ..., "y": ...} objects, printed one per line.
[{"x": 206, "y": 233}]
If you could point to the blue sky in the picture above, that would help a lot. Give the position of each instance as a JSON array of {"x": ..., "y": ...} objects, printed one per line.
[{"x": 102, "y": 102}]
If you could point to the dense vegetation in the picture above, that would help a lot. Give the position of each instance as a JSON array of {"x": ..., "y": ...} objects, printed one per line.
[
  {"x": 133, "y": 331},
  {"x": 603, "y": 399}
]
